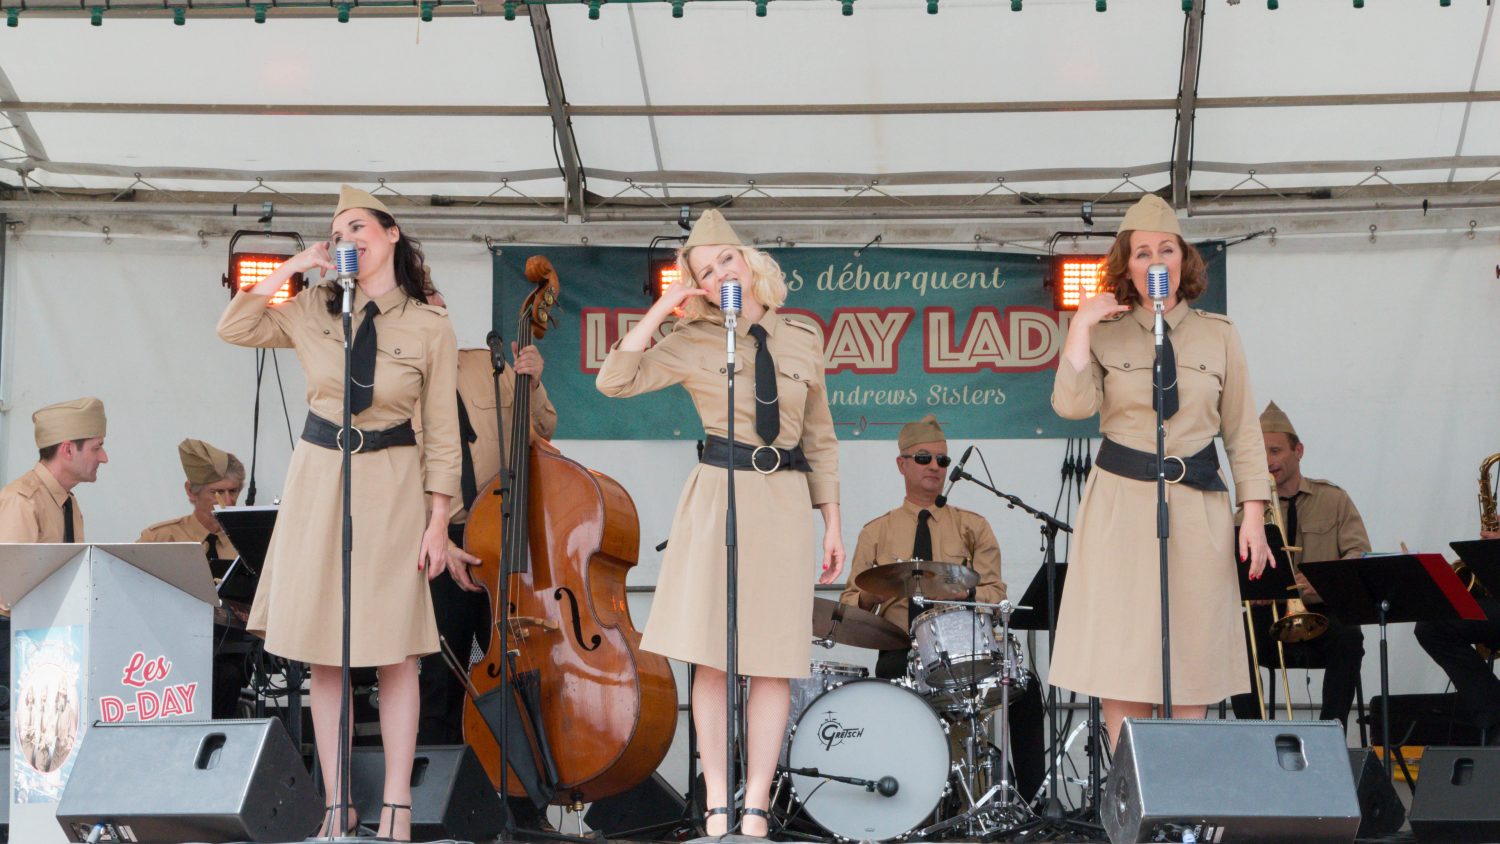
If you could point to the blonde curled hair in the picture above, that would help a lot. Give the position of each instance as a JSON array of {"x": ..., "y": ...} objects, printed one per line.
[{"x": 767, "y": 281}]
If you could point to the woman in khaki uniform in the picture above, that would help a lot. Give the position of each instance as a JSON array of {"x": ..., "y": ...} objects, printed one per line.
[
  {"x": 775, "y": 491},
  {"x": 396, "y": 542},
  {"x": 1109, "y": 626}
]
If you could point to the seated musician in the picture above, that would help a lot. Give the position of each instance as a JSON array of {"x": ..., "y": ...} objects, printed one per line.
[
  {"x": 1324, "y": 523},
  {"x": 920, "y": 529},
  {"x": 1449, "y": 643},
  {"x": 214, "y": 478}
]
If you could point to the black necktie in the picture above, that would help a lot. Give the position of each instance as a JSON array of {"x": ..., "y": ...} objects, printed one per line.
[
  {"x": 1168, "y": 371},
  {"x": 467, "y": 483},
  {"x": 68, "y": 519},
  {"x": 362, "y": 370},
  {"x": 767, "y": 407},
  {"x": 212, "y": 551},
  {"x": 922, "y": 548}
]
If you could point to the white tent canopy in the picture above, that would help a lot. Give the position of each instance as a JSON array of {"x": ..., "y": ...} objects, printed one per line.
[{"x": 977, "y": 112}]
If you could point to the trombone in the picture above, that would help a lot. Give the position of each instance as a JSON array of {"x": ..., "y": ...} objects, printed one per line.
[{"x": 1297, "y": 624}]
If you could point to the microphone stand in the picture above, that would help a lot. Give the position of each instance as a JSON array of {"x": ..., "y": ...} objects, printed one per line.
[
  {"x": 1053, "y": 816},
  {"x": 732, "y": 607},
  {"x": 1163, "y": 522},
  {"x": 343, "y": 801}
]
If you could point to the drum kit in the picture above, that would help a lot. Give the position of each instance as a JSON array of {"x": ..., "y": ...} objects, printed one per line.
[{"x": 870, "y": 759}]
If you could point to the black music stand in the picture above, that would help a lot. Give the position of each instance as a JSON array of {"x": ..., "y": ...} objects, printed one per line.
[
  {"x": 1483, "y": 558},
  {"x": 1275, "y": 583},
  {"x": 1382, "y": 589},
  {"x": 1033, "y": 614},
  {"x": 249, "y": 528}
]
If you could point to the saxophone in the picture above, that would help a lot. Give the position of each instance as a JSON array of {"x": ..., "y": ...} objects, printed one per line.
[{"x": 1488, "y": 521}]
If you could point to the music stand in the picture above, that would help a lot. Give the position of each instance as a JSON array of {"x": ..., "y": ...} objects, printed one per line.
[
  {"x": 1275, "y": 584},
  {"x": 1483, "y": 558},
  {"x": 1381, "y": 589},
  {"x": 1033, "y": 612},
  {"x": 249, "y": 529}
]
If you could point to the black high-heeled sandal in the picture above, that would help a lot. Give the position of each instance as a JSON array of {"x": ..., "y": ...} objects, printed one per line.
[
  {"x": 349, "y": 811},
  {"x": 717, "y": 810},
  {"x": 394, "y": 807},
  {"x": 759, "y": 813}
]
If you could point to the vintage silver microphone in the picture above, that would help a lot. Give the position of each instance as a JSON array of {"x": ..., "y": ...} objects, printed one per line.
[
  {"x": 1158, "y": 286},
  {"x": 730, "y": 299},
  {"x": 346, "y": 263}
]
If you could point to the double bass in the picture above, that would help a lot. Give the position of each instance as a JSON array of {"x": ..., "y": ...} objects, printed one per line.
[{"x": 600, "y": 713}]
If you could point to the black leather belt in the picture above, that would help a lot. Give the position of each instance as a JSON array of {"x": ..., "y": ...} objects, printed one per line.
[
  {"x": 320, "y": 431},
  {"x": 764, "y": 459},
  {"x": 1200, "y": 471}
]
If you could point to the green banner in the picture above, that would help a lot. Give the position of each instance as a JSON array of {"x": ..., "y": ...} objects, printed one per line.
[{"x": 970, "y": 336}]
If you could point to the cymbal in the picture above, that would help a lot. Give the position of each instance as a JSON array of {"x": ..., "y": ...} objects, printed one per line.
[
  {"x": 850, "y": 625},
  {"x": 905, "y": 578}
]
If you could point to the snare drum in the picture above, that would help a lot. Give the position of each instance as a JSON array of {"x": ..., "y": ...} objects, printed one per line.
[
  {"x": 955, "y": 647},
  {"x": 986, "y": 693},
  {"x": 823, "y": 676}
]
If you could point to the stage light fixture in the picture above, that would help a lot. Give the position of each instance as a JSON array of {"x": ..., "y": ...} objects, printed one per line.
[
  {"x": 179, "y": 15},
  {"x": 426, "y": 13},
  {"x": 594, "y": 10},
  {"x": 1015, "y": 5},
  {"x": 1359, "y": 4},
  {"x": 249, "y": 267},
  {"x": 663, "y": 273},
  {"x": 510, "y": 10},
  {"x": 1273, "y": 5},
  {"x": 1101, "y": 6},
  {"x": 96, "y": 16},
  {"x": 344, "y": 12},
  {"x": 760, "y": 8},
  {"x": 1075, "y": 278},
  {"x": 932, "y": 7},
  {"x": 13, "y": 17},
  {"x": 677, "y": 8},
  {"x": 848, "y": 7},
  {"x": 260, "y": 12}
]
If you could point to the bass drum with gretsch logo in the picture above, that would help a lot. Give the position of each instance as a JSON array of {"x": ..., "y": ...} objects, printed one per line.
[{"x": 877, "y": 732}]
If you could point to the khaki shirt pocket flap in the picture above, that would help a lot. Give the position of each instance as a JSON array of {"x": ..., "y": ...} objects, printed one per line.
[
  {"x": 716, "y": 363},
  {"x": 1123, "y": 361}
]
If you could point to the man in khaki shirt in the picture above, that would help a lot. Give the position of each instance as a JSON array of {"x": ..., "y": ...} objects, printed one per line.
[
  {"x": 1324, "y": 523},
  {"x": 463, "y": 618},
  {"x": 954, "y": 536},
  {"x": 39, "y": 506},
  {"x": 214, "y": 477}
]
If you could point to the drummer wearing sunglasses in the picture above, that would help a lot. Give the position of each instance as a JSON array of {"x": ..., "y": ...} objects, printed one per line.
[{"x": 920, "y": 528}]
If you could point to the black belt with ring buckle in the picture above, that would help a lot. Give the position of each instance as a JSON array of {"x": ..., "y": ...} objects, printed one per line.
[
  {"x": 764, "y": 459},
  {"x": 320, "y": 431},
  {"x": 1200, "y": 471}
]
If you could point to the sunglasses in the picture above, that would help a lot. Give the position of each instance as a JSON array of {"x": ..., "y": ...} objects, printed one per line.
[{"x": 923, "y": 458}]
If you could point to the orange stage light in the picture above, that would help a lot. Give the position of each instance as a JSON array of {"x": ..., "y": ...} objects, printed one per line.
[
  {"x": 1075, "y": 278},
  {"x": 247, "y": 269}
]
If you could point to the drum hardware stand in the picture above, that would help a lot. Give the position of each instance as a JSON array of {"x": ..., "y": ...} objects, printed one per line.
[{"x": 1054, "y": 820}]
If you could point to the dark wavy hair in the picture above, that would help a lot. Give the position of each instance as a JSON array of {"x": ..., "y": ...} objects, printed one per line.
[
  {"x": 1117, "y": 272},
  {"x": 409, "y": 263}
]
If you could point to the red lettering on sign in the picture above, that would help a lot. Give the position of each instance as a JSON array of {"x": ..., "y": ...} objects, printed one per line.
[{"x": 139, "y": 672}]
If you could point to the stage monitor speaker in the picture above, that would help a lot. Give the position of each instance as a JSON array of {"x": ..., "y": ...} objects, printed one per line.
[
  {"x": 5, "y": 794},
  {"x": 652, "y": 804},
  {"x": 1458, "y": 795},
  {"x": 451, "y": 795},
  {"x": 1231, "y": 781},
  {"x": 190, "y": 781},
  {"x": 1380, "y": 809}
]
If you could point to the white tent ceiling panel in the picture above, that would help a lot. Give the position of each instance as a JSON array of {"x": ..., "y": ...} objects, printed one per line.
[
  {"x": 598, "y": 58},
  {"x": 1329, "y": 47},
  {"x": 908, "y": 143},
  {"x": 616, "y": 143},
  {"x": 893, "y": 51},
  {"x": 1482, "y": 135},
  {"x": 1352, "y": 133},
  {"x": 450, "y": 61},
  {"x": 368, "y": 144}
]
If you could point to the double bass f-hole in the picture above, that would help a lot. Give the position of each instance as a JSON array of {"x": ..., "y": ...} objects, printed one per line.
[{"x": 594, "y": 640}]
